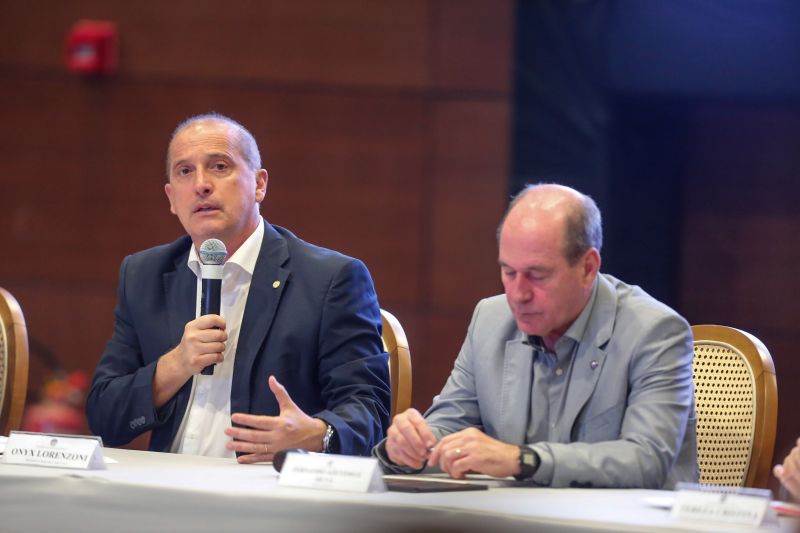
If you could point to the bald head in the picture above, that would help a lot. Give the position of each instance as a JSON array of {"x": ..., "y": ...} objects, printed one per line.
[
  {"x": 244, "y": 140},
  {"x": 574, "y": 215}
]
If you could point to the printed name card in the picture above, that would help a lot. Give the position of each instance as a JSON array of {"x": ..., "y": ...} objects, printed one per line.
[
  {"x": 332, "y": 472},
  {"x": 59, "y": 451},
  {"x": 730, "y": 507}
]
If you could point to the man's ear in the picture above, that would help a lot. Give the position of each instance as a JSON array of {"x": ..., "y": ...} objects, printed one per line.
[
  {"x": 591, "y": 265},
  {"x": 168, "y": 191},
  {"x": 262, "y": 177}
]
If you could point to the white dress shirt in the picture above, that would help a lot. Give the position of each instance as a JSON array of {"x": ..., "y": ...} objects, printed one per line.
[{"x": 209, "y": 410}]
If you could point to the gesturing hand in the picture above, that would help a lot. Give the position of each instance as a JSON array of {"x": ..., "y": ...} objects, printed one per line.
[{"x": 263, "y": 435}]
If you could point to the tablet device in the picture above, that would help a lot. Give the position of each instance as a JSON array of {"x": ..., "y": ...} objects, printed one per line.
[{"x": 430, "y": 485}]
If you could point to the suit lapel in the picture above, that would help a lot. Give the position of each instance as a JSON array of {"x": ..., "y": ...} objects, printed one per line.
[
  {"x": 266, "y": 288},
  {"x": 180, "y": 288},
  {"x": 591, "y": 355},
  {"x": 180, "y": 293},
  {"x": 515, "y": 403}
]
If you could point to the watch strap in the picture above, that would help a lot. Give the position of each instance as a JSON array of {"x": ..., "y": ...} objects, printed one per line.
[{"x": 529, "y": 462}]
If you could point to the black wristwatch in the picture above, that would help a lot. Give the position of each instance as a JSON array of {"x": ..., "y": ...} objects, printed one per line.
[{"x": 528, "y": 463}]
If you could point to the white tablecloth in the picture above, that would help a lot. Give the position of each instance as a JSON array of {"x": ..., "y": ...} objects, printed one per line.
[{"x": 147, "y": 491}]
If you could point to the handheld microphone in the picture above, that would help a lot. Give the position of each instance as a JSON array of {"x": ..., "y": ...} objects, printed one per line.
[
  {"x": 280, "y": 457},
  {"x": 212, "y": 256}
]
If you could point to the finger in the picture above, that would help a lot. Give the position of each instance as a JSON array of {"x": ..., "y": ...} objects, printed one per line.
[
  {"x": 210, "y": 322},
  {"x": 403, "y": 457},
  {"x": 250, "y": 458},
  {"x": 460, "y": 466},
  {"x": 777, "y": 471},
  {"x": 400, "y": 451},
  {"x": 204, "y": 360},
  {"x": 411, "y": 431},
  {"x": 258, "y": 450},
  {"x": 450, "y": 442},
  {"x": 447, "y": 455},
  {"x": 207, "y": 336},
  {"x": 249, "y": 435},
  {"x": 284, "y": 400},
  {"x": 265, "y": 423},
  {"x": 424, "y": 431},
  {"x": 443, "y": 454}
]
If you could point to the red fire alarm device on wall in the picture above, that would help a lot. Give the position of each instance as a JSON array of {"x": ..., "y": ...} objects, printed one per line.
[{"x": 92, "y": 47}]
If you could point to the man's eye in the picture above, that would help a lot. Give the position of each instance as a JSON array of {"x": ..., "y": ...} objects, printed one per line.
[
  {"x": 220, "y": 166},
  {"x": 183, "y": 171}
]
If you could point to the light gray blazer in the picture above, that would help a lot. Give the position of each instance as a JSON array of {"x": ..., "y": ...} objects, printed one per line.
[{"x": 629, "y": 405}]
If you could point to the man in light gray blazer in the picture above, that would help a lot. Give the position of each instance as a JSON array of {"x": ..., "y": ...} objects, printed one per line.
[{"x": 572, "y": 379}]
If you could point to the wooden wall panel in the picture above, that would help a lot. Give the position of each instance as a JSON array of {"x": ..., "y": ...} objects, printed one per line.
[
  {"x": 347, "y": 42},
  {"x": 740, "y": 239},
  {"x": 483, "y": 62},
  {"x": 384, "y": 126}
]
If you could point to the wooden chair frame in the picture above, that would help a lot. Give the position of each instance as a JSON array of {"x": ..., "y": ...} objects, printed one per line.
[
  {"x": 760, "y": 362},
  {"x": 396, "y": 344},
  {"x": 14, "y": 381}
]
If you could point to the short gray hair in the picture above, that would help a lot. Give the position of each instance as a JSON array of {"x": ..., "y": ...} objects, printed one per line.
[
  {"x": 583, "y": 228},
  {"x": 245, "y": 142}
]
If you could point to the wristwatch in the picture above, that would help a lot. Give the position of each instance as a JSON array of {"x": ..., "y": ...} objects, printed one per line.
[
  {"x": 528, "y": 463},
  {"x": 327, "y": 439}
]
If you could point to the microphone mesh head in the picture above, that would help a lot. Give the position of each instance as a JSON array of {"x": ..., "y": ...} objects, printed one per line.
[{"x": 213, "y": 252}]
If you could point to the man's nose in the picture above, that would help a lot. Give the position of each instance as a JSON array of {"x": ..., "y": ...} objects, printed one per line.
[
  {"x": 203, "y": 184},
  {"x": 521, "y": 291}
]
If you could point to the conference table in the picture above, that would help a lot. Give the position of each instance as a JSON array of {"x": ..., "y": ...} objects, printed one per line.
[{"x": 147, "y": 491}]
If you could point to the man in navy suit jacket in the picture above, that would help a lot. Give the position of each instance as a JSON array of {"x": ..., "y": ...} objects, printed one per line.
[{"x": 298, "y": 346}]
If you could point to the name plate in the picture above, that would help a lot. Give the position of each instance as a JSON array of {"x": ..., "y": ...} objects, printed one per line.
[
  {"x": 59, "y": 451},
  {"x": 332, "y": 472},
  {"x": 737, "y": 506}
]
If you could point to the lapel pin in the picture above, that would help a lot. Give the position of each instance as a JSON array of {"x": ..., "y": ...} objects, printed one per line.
[
  {"x": 593, "y": 364},
  {"x": 276, "y": 284}
]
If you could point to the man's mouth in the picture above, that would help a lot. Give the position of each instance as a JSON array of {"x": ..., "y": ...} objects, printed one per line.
[{"x": 204, "y": 208}]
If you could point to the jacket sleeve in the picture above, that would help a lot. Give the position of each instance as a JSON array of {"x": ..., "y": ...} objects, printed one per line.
[
  {"x": 353, "y": 368},
  {"x": 120, "y": 406}
]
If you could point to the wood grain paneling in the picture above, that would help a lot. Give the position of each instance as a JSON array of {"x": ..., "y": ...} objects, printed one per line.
[
  {"x": 383, "y": 126},
  {"x": 348, "y": 42}
]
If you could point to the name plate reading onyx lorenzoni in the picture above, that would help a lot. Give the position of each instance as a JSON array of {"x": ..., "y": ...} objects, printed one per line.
[
  {"x": 57, "y": 451},
  {"x": 332, "y": 472}
]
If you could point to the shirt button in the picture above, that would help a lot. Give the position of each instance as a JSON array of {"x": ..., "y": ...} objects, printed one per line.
[{"x": 559, "y": 371}]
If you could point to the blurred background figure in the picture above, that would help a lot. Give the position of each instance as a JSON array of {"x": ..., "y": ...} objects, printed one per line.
[{"x": 60, "y": 407}]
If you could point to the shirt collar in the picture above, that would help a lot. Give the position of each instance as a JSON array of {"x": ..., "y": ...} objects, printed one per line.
[{"x": 245, "y": 257}]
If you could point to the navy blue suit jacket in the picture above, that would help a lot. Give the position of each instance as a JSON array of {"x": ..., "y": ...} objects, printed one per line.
[{"x": 318, "y": 332}]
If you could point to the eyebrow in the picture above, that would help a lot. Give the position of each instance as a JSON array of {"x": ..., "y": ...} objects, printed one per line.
[
  {"x": 213, "y": 155},
  {"x": 540, "y": 269}
]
